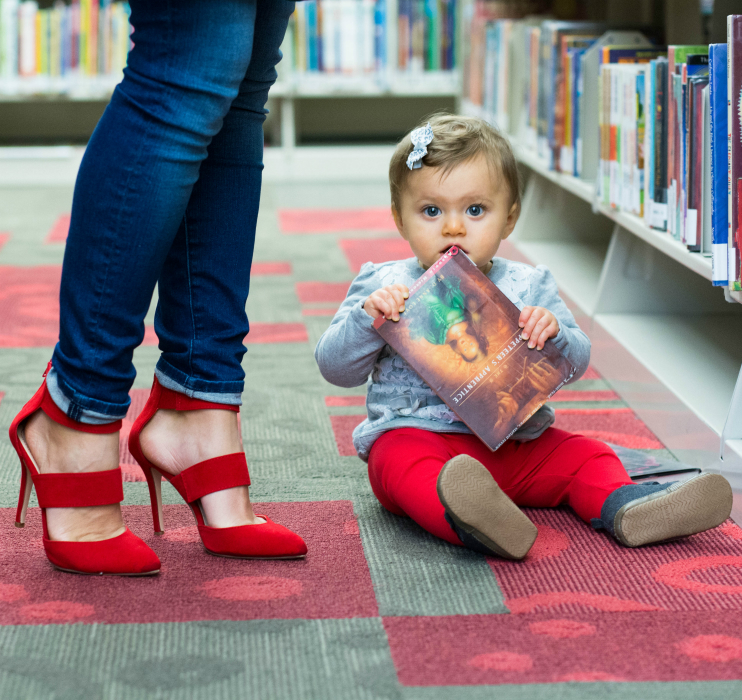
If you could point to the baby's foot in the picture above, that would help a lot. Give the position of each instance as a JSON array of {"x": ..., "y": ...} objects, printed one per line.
[
  {"x": 176, "y": 440},
  {"x": 480, "y": 513},
  {"x": 638, "y": 514}
]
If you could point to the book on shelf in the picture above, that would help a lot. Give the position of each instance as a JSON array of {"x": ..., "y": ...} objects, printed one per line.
[
  {"x": 73, "y": 40},
  {"x": 734, "y": 136},
  {"x": 460, "y": 333},
  {"x": 350, "y": 36},
  {"x": 587, "y": 138},
  {"x": 718, "y": 128}
]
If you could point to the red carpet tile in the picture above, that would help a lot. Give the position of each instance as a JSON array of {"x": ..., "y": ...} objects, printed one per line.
[
  {"x": 591, "y": 373},
  {"x": 322, "y": 311},
  {"x": 59, "y": 231},
  {"x": 317, "y": 292},
  {"x": 29, "y": 306},
  {"x": 552, "y": 648},
  {"x": 276, "y": 333},
  {"x": 261, "y": 269},
  {"x": 342, "y": 428},
  {"x": 334, "y": 220},
  {"x": 345, "y": 401},
  {"x": 4, "y": 238},
  {"x": 572, "y": 569},
  {"x": 332, "y": 582},
  {"x": 617, "y": 425},
  {"x": 375, "y": 250}
]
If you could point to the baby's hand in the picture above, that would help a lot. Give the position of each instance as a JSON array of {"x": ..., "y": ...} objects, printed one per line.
[
  {"x": 538, "y": 324},
  {"x": 387, "y": 302}
]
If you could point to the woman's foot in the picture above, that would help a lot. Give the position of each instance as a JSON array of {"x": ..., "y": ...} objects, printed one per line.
[
  {"x": 175, "y": 440},
  {"x": 480, "y": 513},
  {"x": 58, "y": 449}
]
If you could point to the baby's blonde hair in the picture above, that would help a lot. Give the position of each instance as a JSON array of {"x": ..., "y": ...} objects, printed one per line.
[{"x": 455, "y": 140}]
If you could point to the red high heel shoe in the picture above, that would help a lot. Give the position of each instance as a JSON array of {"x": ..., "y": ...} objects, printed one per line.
[
  {"x": 267, "y": 540},
  {"x": 124, "y": 554}
]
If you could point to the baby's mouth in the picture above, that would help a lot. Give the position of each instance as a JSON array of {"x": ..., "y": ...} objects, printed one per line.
[{"x": 445, "y": 250}]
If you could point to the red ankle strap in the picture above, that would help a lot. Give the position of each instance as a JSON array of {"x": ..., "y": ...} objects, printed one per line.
[
  {"x": 216, "y": 474},
  {"x": 79, "y": 490},
  {"x": 58, "y": 416},
  {"x": 175, "y": 401}
]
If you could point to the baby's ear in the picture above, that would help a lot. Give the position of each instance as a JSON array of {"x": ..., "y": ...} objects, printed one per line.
[
  {"x": 398, "y": 221},
  {"x": 512, "y": 219}
]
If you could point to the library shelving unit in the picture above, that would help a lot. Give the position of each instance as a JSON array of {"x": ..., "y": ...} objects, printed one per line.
[
  {"x": 666, "y": 339},
  {"x": 292, "y": 86}
]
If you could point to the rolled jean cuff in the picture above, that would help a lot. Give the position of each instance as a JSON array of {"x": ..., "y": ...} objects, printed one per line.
[
  {"x": 81, "y": 408},
  {"x": 229, "y": 393}
]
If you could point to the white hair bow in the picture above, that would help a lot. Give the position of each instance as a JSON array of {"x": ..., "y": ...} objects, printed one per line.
[{"x": 420, "y": 139}]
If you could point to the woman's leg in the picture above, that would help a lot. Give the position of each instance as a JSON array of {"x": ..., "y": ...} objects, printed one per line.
[
  {"x": 133, "y": 188},
  {"x": 131, "y": 193},
  {"x": 201, "y": 320}
]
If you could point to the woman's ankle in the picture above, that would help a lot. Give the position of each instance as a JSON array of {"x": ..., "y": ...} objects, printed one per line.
[{"x": 56, "y": 448}]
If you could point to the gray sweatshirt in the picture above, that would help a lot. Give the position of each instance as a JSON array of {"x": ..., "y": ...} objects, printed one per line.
[{"x": 350, "y": 350}]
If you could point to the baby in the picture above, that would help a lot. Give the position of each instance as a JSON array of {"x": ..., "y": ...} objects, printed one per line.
[{"x": 423, "y": 462}]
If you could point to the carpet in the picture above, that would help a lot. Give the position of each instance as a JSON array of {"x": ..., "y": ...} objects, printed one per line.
[{"x": 379, "y": 608}]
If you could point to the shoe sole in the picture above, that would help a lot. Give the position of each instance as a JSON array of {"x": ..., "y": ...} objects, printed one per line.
[
  {"x": 235, "y": 556},
  {"x": 478, "y": 506},
  {"x": 102, "y": 573},
  {"x": 685, "y": 508}
]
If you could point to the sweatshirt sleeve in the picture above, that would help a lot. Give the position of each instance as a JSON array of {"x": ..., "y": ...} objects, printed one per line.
[
  {"x": 570, "y": 341},
  {"x": 348, "y": 349}
]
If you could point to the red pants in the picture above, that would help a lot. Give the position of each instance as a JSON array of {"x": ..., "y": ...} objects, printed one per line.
[{"x": 558, "y": 468}]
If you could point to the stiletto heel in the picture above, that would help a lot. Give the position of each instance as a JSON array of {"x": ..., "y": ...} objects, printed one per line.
[
  {"x": 154, "y": 482},
  {"x": 124, "y": 554},
  {"x": 25, "y": 495},
  {"x": 267, "y": 540}
]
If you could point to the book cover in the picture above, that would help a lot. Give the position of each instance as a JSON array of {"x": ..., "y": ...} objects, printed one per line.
[
  {"x": 660, "y": 147},
  {"x": 734, "y": 134},
  {"x": 719, "y": 208},
  {"x": 694, "y": 163},
  {"x": 676, "y": 56},
  {"x": 460, "y": 333}
]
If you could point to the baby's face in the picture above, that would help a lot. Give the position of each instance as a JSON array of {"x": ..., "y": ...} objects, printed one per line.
[{"x": 469, "y": 207}]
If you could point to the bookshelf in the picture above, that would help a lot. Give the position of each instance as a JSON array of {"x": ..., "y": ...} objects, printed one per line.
[{"x": 293, "y": 86}]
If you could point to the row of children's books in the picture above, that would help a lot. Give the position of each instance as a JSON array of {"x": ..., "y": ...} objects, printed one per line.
[
  {"x": 82, "y": 37},
  {"x": 352, "y": 36},
  {"x": 656, "y": 128}
]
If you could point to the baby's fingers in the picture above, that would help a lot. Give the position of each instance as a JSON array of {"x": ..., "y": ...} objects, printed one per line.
[
  {"x": 398, "y": 296},
  {"x": 525, "y": 315},
  {"x": 391, "y": 304},
  {"x": 536, "y": 314}
]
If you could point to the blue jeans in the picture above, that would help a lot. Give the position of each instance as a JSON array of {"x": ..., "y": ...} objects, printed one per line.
[{"x": 168, "y": 194}]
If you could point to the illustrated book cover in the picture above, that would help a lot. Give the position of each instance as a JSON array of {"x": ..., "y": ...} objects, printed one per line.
[{"x": 460, "y": 333}]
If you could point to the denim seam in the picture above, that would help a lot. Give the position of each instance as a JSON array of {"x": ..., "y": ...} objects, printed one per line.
[{"x": 190, "y": 294}]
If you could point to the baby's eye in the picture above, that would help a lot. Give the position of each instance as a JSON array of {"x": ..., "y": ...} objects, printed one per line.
[
  {"x": 475, "y": 210},
  {"x": 431, "y": 211}
]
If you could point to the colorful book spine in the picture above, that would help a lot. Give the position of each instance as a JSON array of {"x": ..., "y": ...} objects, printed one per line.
[
  {"x": 719, "y": 205},
  {"x": 734, "y": 136}
]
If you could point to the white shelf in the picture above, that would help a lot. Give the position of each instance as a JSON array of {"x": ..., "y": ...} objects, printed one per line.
[
  {"x": 577, "y": 266},
  {"x": 663, "y": 241},
  {"x": 394, "y": 83},
  {"x": 74, "y": 88},
  {"x": 696, "y": 357}
]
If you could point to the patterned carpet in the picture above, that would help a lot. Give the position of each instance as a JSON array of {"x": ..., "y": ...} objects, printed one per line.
[{"x": 379, "y": 608}]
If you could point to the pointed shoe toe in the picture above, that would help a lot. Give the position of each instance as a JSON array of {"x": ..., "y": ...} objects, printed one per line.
[
  {"x": 124, "y": 555},
  {"x": 267, "y": 540}
]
